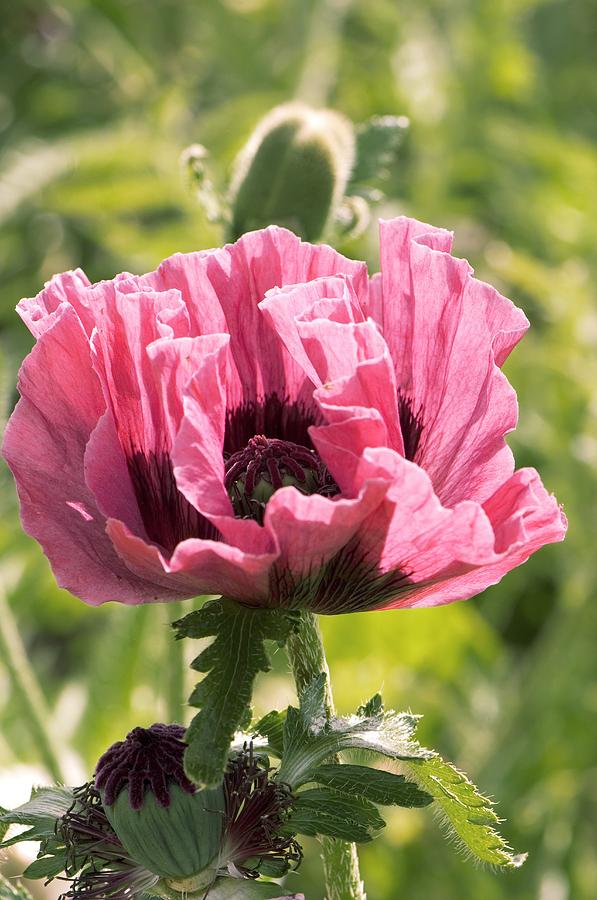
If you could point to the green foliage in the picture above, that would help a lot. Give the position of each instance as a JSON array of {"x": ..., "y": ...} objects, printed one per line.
[
  {"x": 378, "y": 142},
  {"x": 469, "y": 814},
  {"x": 310, "y": 738},
  {"x": 335, "y": 814},
  {"x": 4, "y": 826},
  {"x": 231, "y": 663},
  {"x": 375, "y": 785},
  {"x": 47, "y": 804},
  {"x": 343, "y": 806},
  {"x": 501, "y": 148},
  {"x": 271, "y": 726},
  {"x": 13, "y": 890},
  {"x": 40, "y": 813},
  {"x": 46, "y": 866}
]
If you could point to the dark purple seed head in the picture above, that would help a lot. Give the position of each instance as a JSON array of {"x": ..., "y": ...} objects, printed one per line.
[{"x": 148, "y": 759}]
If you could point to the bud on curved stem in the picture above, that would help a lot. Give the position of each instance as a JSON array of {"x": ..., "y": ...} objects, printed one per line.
[{"x": 293, "y": 171}]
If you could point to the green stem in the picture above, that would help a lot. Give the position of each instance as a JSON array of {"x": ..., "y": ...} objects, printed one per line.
[
  {"x": 27, "y": 689},
  {"x": 176, "y": 667},
  {"x": 322, "y": 54},
  {"x": 307, "y": 658}
]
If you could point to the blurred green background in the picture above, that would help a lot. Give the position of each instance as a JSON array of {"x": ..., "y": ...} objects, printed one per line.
[{"x": 97, "y": 100}]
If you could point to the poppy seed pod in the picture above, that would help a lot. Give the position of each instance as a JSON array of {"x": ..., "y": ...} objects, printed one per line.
[
  {"x": 293, "y": 171},
  {"x": 163, "y": 822}
]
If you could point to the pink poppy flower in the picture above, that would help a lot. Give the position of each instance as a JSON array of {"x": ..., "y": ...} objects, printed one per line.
[{"x": 266, "y": 422}]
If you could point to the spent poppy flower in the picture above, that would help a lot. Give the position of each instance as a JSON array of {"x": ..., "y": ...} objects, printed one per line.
[
  {"x": 266, "y": 422},
  {"x": 140, "y": 822}
]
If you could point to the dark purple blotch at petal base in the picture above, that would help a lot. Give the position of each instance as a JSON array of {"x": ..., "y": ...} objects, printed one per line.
[
  {"x": 148, "y": 759},
  {"x": 168, "y": 516}
]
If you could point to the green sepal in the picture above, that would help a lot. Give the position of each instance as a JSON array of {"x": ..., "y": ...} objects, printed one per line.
[
  {"x": 46, "y": 866},
  {"x": 178, "y": 841},
  {"x": 13, "y": 890},
  {"x": 231, "y": 663},
  {"x": 328, "y": 812},
  {"x": 46, "y": 805},
  {"x": 375, "y": 785}
]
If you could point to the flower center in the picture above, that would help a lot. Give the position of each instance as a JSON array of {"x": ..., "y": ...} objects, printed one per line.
[{"x": 254, "y": 473}]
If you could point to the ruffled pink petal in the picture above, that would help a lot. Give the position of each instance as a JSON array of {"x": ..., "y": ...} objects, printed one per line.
[
  {"x": 353, "y": 423},
  {"x": 341, "y": 443},
  {"x": 524, "y": 516},
  {"x": 447, "y": 333},
  {"x": 196, "y": 567},
  {"x": 529, "y": 518},
  {"x": 222, "y": 289},
  {"x": 309, "y": 530},
  {"x": 414, "y": 532},
  {"x": 39, "y": 313},
  {"x": 283, "y": 307},
  {"x": 452, "y": 554},
  {"x": 322, "y": 326},
  {"x": 126, "y": 324},
  {"x": 44, "y": 445},
  {"x": 197, "y": 449},
  {"x": 107, "y": 475}
]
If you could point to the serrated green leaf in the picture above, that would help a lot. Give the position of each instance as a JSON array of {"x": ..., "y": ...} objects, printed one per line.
[
  {"x": 328, "y": 812},
  {"x": 310, "y": 742},
  {"x": 47, "y": 804},
  {"x": 311, "y": 704},
  {"x": 4, "y": 826},
  {"x": 231, "y": 663},
  {"x": 372, "y": 708},
  {"x": 374, "y": 785},
  {"x": 273, "y": 868},
  {"x": 378, "y": 141},
  {"x": 271, "y": 726},
  {"x": 46, "y": 866},
  {"x": 13, "y": 890},
  {"x": 471, "y": 816}
]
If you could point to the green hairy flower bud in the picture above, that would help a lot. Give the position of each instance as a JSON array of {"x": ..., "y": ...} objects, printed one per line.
[{"x": 293, "y": 171}]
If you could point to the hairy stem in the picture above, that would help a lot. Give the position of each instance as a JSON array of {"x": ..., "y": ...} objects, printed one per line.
[
  {"x": 307, "y": 658},
  {"x": 175, "y": 693},
  {"x": 26, "y": 687}
]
